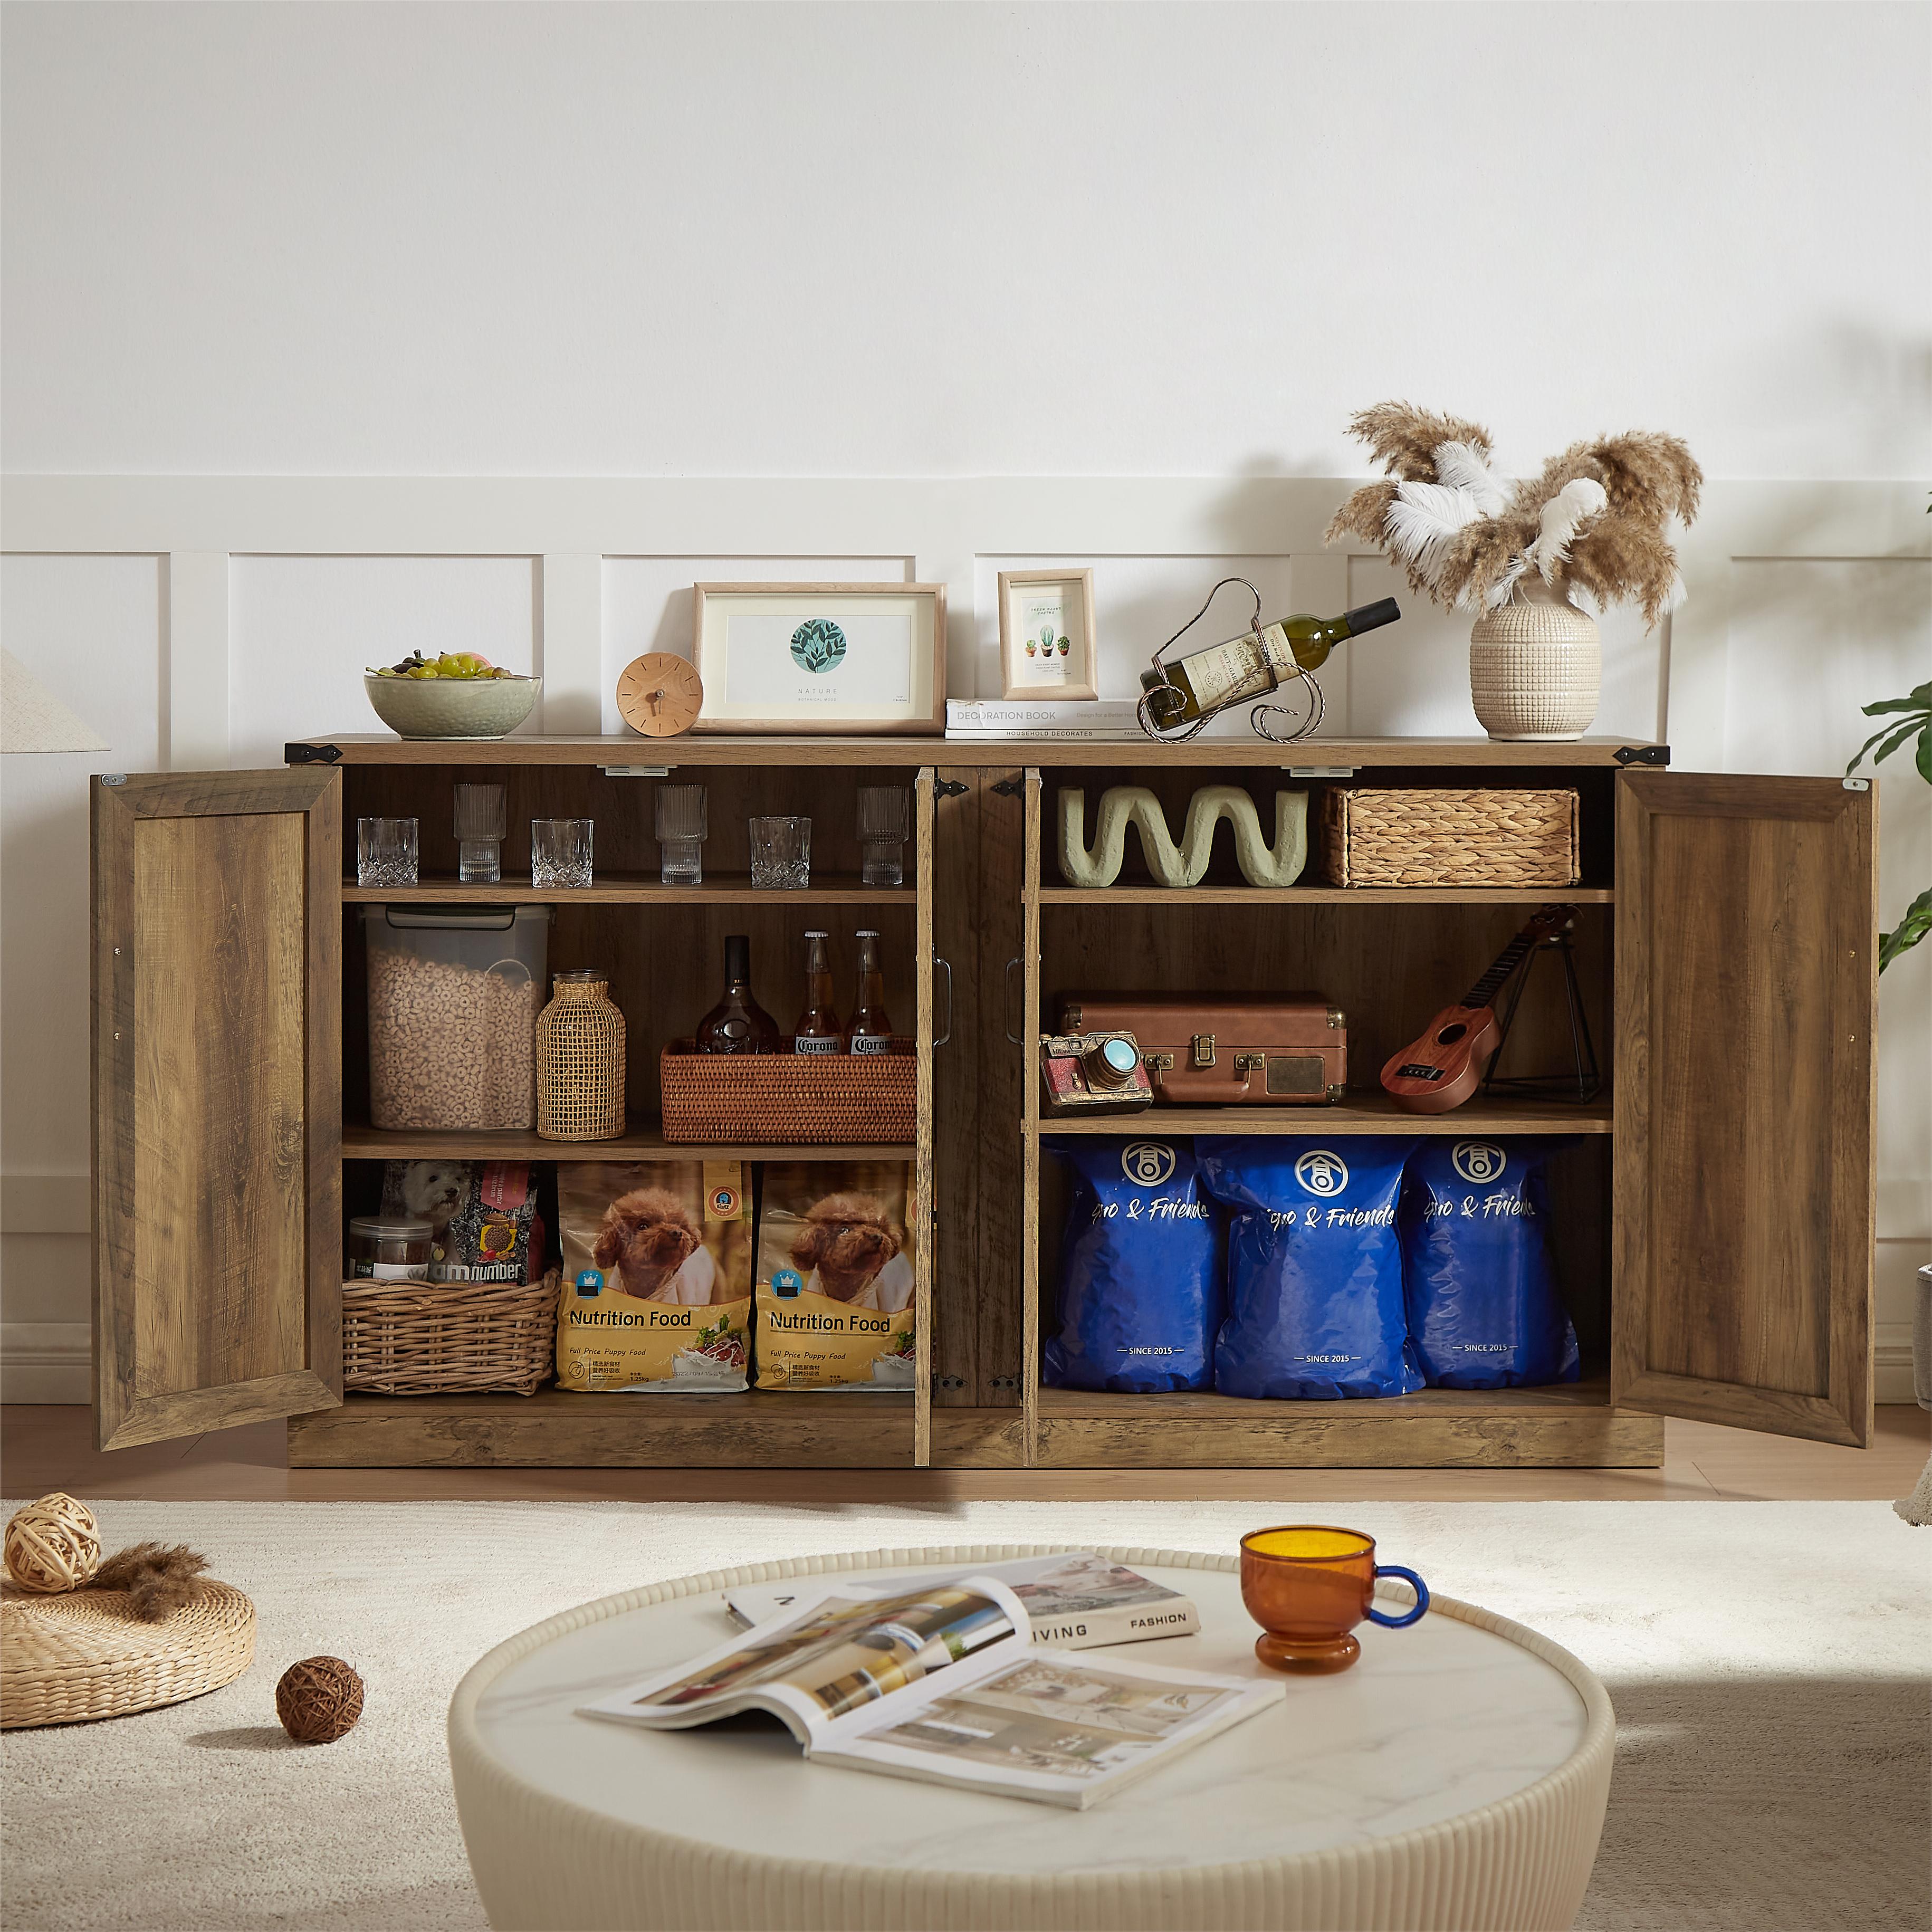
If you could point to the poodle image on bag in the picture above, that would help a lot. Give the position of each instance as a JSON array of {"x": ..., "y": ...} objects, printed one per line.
[
  {"x": 650, "y": 1239},
  {"x": 850, "y": 1250}
]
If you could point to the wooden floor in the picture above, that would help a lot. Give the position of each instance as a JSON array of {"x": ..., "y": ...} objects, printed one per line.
[{"x": 48, "y": 1447}]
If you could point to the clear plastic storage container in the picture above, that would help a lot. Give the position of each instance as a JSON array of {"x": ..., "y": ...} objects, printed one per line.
[{"x": 454, "y": 996}]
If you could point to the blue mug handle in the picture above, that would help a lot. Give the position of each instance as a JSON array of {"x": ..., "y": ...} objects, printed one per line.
[{"x": 1375, "y": 1616}]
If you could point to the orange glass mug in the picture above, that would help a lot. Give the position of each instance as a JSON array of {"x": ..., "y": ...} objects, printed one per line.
[{"x": 1308, "y": 1586}]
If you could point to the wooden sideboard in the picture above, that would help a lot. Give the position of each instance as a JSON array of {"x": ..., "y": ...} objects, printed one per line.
[{"x": 1712, "y": 1218}]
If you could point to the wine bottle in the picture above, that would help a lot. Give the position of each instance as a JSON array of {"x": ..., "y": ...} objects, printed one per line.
[
  {"x": 1205, "y": 681},
  {"x": 737, "y": 1023},
  {"x": 870, "y": 1031},
  {"x": 818, "y": 1029}
]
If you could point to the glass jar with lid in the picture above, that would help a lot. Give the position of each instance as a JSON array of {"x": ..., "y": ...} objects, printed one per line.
[{"x": 384, "y": 1247}]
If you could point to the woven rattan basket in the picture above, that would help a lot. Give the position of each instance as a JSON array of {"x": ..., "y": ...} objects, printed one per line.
[
  {"x": 1492, "y": 837},
  {"x": 580, "y": 1062},
  {"x": 428, "y": 1338},
  {"x": 763, "y": 1097},
  {"x": 70, "y": 1659}
]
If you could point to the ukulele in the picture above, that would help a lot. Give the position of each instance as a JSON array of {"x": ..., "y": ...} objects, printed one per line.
[{"x": 1441, "y": 1068}]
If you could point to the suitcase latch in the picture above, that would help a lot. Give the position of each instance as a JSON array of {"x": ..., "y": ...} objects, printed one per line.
[
  {"x": 1203, "y": 1052},
  {"x": 1250, "y": 1063},
  {"x": 1158, "y": 1063}
]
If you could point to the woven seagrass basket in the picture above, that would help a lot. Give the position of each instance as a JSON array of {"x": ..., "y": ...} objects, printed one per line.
[
  {"x": 73, "y": 1658},
  {"x": 432, "y": 1338},
  {"x": 752, "y": 1098},
  {"x": 1371, "y": 836},
  {"x": 581, "y": 1061}
]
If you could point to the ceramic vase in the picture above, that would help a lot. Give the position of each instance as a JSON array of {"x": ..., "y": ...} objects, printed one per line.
[{"x": 1535, "y": 666}]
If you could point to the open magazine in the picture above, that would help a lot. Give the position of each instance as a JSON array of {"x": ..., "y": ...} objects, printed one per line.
[
  {"x": 1074, "y": 1599},
  {"x": 945, "y": 1684}
]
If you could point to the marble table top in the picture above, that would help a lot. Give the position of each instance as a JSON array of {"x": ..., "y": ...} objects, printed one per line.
[{"x": 1431, "y": 1722}]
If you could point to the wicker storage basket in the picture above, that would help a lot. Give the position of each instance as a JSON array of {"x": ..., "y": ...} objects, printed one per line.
[
  {"x": 70, "y": 1659},
  {"x": 757, "y": 1097},
  {"x": 581, "y": 1061},
  {"x": 1490, "y": 837},
  {"x": 426, "y": 1338}
]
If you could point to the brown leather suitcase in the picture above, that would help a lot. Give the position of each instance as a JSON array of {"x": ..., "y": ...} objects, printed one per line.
[{"x": 1227, "y": 1050}]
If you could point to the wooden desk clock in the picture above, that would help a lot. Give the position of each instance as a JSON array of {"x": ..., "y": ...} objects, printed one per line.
[{"x": 659, "y": 694}]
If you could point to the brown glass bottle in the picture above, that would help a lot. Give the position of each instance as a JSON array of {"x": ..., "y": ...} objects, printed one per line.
[
  {"x": 818, "y": 1029},
  {"x": 737, "y": 1023},
  {"x": 870, "y": 1031}
]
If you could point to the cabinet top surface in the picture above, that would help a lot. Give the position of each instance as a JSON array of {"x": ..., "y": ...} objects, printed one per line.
[
  {"x": 695, "y": 750},
  {"x": 1403, "y": 1741}
]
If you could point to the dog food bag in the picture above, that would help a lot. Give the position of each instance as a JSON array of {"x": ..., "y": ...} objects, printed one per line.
[
  {"x": 835, "y": 1295},
  {"x": 1140, "y": 1270},
  {"x": 657, "y": 1276},
  {"x": 1315, "y": 1297},
  {"x": 483, "y": 1217},
  {"x": 1482, "y": 1310}
]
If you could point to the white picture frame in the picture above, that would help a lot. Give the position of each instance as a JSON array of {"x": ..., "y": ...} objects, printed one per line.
[
  {"x": 859, "y": 660},
  {"x": 1063, "y": 667}
]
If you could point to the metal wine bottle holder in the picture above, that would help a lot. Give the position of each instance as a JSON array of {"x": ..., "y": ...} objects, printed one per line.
[{"x": 1257, "y": 718}]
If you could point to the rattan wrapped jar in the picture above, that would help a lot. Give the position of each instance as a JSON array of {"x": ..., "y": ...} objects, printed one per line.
[
  {"x": 1535, "y": 667},
  {"x": 581, "y": 1060}
]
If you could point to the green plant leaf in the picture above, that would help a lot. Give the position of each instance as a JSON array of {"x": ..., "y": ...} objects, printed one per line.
[
  {"x": 1920, "y": 700},
  {"x": 1908, "y": 932},
  {"x": 1893, "y": 735}
]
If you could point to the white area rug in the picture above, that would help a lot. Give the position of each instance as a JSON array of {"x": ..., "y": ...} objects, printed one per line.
[{"x": 1768, "y": 1662}]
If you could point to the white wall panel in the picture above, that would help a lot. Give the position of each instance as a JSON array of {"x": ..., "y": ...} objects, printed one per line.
[
  {"x": 303, "y": 629},
  {"x": 647, "y": 600}
]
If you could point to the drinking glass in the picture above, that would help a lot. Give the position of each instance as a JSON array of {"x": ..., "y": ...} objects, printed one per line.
[
  {"x": 781, "y": 853},
  {"x": 480, "y": 829},
  {"x": 682, "y": 826},
  {"x": 885, "y": 819},
  {"x": 560, "y": 851},
  {"x": 385, "y": 851},
  {"x": 1308, "y": 1585}
]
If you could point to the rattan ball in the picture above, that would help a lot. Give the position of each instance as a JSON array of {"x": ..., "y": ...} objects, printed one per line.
[
  {"x": 52, "y": 1545},
  {"x": 319, "y": 1700}
]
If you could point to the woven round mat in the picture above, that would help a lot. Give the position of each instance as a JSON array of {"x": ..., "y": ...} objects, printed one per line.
[{"x": 68, "y": 1660}]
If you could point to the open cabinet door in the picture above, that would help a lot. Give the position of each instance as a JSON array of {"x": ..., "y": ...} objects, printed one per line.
[
  {"x": 1746, "y": 989},
  {"x": 217, "y": 1131}
]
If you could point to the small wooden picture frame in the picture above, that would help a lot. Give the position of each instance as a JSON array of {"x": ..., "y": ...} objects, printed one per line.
[
  {"x": 1049, "y": 646},
  {"x": 857, "y": 659}
]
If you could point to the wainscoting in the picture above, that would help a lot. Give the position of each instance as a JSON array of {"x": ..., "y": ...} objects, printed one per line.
[{"x": 201, "y": 622}]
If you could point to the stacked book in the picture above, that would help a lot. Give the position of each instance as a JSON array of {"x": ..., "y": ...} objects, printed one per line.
[{"x": 987, "y": 719}]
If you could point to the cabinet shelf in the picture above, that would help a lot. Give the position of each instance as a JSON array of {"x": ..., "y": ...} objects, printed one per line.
[
  {"x": 1100, "y": 897},
  {"x": 632, "y": 888},
  {"x": 642, "y": 1141},
  {"x": 554, "y": 1429},
  {"x": 1360, "y": 1113}
]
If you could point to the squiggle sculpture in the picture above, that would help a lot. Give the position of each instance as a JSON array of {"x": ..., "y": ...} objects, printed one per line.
[{"x": 1186, "y": 865}]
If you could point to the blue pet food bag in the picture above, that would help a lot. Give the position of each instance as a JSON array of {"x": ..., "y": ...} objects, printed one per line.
[
  {"x": 1314, "y": 1267},
  {"x": 1482, "y": 1313},
  {"x": 1140, "y": 1270}
]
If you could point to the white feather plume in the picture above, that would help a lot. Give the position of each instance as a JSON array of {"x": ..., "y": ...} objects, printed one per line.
[
  {"x": 1463, "y": 466},
  {"x": 1563, "y": 516},
  {"x": 1500, "y": 592},
  {"x": 1423, "y": 520}
]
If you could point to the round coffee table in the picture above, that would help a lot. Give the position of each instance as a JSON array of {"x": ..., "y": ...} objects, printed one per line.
[{"x": 1455, "y": 1778}]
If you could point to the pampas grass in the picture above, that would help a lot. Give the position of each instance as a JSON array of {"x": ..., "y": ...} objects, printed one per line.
[{"x": 1591, "y": 524}]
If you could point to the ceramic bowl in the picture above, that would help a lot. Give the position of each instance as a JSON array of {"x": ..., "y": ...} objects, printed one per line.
[{"x": 450, "y": 707}]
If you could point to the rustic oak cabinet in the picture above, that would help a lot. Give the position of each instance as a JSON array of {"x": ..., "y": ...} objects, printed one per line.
[{"x": 1713, "y": 1215}]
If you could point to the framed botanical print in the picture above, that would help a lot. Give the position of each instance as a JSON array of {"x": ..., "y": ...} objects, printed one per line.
[
  {"x": 861, "y": 658},
  {"x": 1047, "y": 641}
]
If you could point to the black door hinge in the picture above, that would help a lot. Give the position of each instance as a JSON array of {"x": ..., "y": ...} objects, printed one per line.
[
  {"x": 1642, "y": 754},
  {"x": 311, "y": 755},
  {"x": 949, "y": 1381},
  {"x": 1004, "y": 1382},
  {"x": 947, "y": 788},
  {"x": 1007, "y": 787}
]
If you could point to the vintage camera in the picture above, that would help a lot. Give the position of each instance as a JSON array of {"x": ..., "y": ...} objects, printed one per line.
[{"x": 1092, "y": 1073}]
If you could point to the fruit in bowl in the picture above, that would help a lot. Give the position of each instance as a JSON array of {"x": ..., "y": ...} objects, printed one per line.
[{"x": 460, "y": 694}]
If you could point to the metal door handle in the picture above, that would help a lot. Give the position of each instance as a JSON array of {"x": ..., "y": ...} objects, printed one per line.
[
  {"x": 939, "y": 1039},
  {"x": 1007, "y": 1004}
]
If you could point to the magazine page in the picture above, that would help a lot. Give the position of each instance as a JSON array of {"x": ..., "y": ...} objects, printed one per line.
[
  {"x": 842, "y": 1650},
  {"x": 1073, "y": 1598},
  {"x": 1050, "y": 1725}
]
